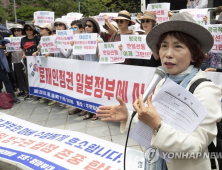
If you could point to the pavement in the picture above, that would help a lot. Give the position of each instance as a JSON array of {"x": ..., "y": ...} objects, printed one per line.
[{"x": 58, "y": 118}]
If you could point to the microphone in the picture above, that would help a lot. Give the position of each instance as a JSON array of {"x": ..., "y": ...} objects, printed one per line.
[{"x": 159, "y": 74}]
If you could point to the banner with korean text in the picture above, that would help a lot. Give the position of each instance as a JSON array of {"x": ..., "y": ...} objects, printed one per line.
[
  {"x": 48, "y": 44},
  {"x": 14, "y": 45},
  {"x": 161, "y": 11},
  {"x": 42, "y": 148},
  {"x": 42, "y": 17},
  {"x": 110, "y": 53},
  {"x": 198, "y": 14},
  {"x": 64, "y": 38},
  {"x": 85, "y": 84},
  {"x": 135, "y": 46},
  {"x": 216, "y": 31}
]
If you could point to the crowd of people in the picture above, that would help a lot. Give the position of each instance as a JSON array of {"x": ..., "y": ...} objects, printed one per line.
[{"x": 175, "y": 46}]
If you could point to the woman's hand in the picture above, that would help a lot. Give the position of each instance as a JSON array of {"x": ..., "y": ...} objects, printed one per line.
[
  {"x": 147, "y": 115},
  {"x": 115, "y": 113},
  {"x": 120, "y": 47},
  {"x": 35, "y": 54},
  {"x": 23, "y": 56},
  {"x": 72, "y": 43},
  {"x": 211, "y": 69}
]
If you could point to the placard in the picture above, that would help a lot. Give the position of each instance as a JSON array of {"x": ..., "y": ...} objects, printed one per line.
[
  {"x": 48, "y": 44},
  {"x": 14, "y": 45},
  {"x": 64, "y": 38}
]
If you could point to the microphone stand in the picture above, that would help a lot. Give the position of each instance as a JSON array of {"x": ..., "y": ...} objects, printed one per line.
[{"x": 127, "y": 137}]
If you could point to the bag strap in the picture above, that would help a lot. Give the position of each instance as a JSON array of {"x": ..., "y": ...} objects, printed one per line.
[
  {"x": 211, "y": 148},
  {"x": 196, "y": 83}
]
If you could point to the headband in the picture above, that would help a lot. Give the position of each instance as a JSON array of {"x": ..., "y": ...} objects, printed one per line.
[{"x": 123, "y": 15}]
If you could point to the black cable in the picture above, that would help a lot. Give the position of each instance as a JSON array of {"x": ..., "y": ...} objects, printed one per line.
[{"x": 133, "y": 114}]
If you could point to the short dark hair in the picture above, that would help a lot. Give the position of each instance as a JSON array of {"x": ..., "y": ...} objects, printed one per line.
[
  {"x": 140, "y": 12},
  {"x": 78, "y": 23},
  {"x": 218, "y": 9},
  {"x": 193, "y": 45}
]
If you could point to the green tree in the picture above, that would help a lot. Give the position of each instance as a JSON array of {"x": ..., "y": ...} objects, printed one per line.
[
  {"x": 3, "y": 14},
  {"x": 94, "y": 7},
  {"x": 131, "y": 6},
  {"x": 26, "y": 12}
]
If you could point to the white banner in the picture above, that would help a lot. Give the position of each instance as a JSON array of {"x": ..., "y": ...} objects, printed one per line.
[
  {"x": 161, "y": 11},
  {"x": 100, "y": 19},
  {"x": 87, "y": 85},
  {"x": 42, "y": 148},
  {"x": 109, "y": 15},
  {"x": 48, "y": 44},
  {"x": 198, "y": 14},
  {"x": 72, "y": 16},
  {"x": 110, "y": 53},
  {"x": 216, "y": 31},
  {"x": 135, "y": 46},
  {"x": 85, "y": 44},
  {"x": 42, "y": 17},
  {"x": 64, "y": 38},
  {"x": 14, "y": 45}
]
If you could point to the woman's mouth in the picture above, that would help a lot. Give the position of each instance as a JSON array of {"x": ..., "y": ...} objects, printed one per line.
[{"x": 169, "y": 64}]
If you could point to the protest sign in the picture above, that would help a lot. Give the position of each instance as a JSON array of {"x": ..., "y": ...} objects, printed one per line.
[
  {"x": 85, "y": 84},
  {"x": 72, "y": 16},
  {"x": 42, "y": 17},
  {"x": 198, "y": 14},
  {"x": 42, "y": 148},
  {"x": 85, "y": 44},
  {"x": 48, "y": 45},
  {"x": 100, "y": 19},
  {"x": 109, "y": 15},
  {"x": 135, "y": 46},
  {"x": 64, "y": 38},
  {"x": 216, "y": 31},
  {"x": 110, "y": 53},
  {"x": 14, "y": 45},
  {"x": 161, "y": 11}
]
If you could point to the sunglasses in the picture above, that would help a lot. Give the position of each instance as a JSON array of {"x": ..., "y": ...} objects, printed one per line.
[
  {"x": 16, "y": 30},
  {"x": 86, "y": 25},
  {"x": 56, "y": 25},
  {"x": 74, "y": 29},
  {"x": 119, "y": 21},
  {"x": 145, "y": 20},
  {"x": 28, "y": 29}
]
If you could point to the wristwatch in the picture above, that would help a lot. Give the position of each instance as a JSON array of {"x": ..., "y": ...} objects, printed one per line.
[{"x": 156, "y": 130}]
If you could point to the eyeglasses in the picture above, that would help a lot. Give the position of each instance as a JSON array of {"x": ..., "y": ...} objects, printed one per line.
[
  {"x": 74, "y": 29},
  {"x": 56, "y": 25},
  {"x": 119, "y": 21},
  {"x": 145, "y": 20},
  {"x": 16, "y": 30},
  {"x": 86, "y": 25},
  {"x": 28, "y": 29}
]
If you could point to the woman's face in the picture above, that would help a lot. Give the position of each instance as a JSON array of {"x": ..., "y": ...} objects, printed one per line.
[
  {"x": 175, "y": 56},
  {"x": 17, "y": 32},
  {"x": 59, "y": 26},
  {"x": 89, "y": 27},
  {"x": 147, "y": 24},
  {"x": 76, "y": 29},
  {"x": 44, "y": 32},
  {"x": 29, "y": 31},
  {"x": 122, "y": 23}
]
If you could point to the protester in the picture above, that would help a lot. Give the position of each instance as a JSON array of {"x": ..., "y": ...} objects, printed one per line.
[
  {"x": 139, "y": 14},
  {"x": 91, "y": 26},
  {"x": 123, "y": 21},
  {"x": 214, "y": 61},
  {"x": 110, "y": 27},
  {"x": 29, "y": 44},
  {"x": 5, "y": 69},
  {"x": 218, "y": 10},
  {"x": 20, "y": 21},
  {"x": 148, "y": 21},
  {"x": 18, "y": 66},
  {"x": 45, "y": 30},
  {"x": 197, "y": 3},
  {"x": 181, "y": 51}
]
